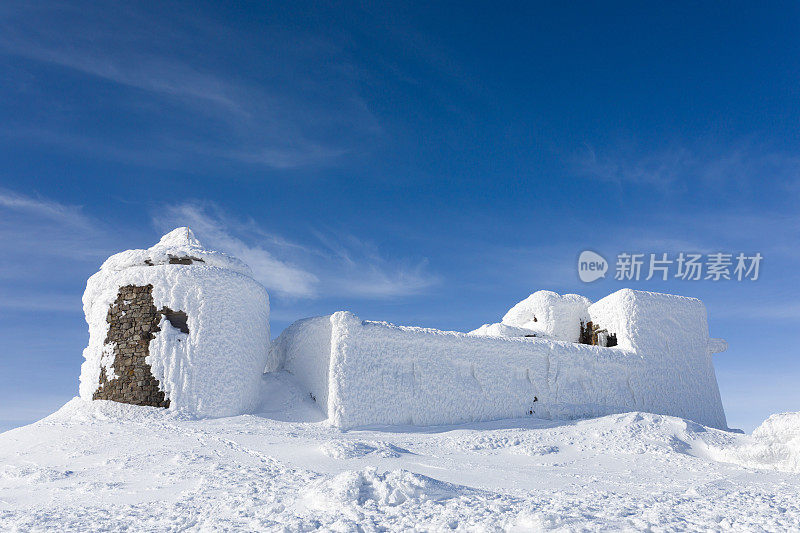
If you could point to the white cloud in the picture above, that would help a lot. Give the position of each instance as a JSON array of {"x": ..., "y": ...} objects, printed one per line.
[
  {"x": 337, "y": 266},
  {"x": 361, "y": 270},
  {"x": 215, "y": 230},
  {"x": 55, "y": 244},
  {"x": 166, "y": 77},
  {"x": 659, "y": 169}
]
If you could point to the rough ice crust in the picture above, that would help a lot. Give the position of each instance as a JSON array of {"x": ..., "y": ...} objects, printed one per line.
[
  {"x": 379, "y": 373},
  {"x": 216, "y": 369}
]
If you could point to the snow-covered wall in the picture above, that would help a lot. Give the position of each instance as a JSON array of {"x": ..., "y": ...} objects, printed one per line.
[
  {"x": 215, "y": 369},
  {"x": 670, "y": 333},
  {"x": 304, "y": 349},
  {"x": 378, "y": 373}
]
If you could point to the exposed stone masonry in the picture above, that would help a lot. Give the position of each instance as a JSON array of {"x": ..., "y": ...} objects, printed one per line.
[
  {"x": 176, "y": 260},
  {"x": 133, "y": 321}
]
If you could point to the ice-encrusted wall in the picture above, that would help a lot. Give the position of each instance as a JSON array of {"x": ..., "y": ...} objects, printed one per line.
[{"x": 367, "y": 373}]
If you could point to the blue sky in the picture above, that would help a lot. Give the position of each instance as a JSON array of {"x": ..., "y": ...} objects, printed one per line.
[{"x": 426, "y": 165}]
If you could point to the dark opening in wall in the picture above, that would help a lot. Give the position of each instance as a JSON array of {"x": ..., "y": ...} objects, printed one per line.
[
  {"x": 594, "y": 335},
  {"x": 178, "y": 319}
]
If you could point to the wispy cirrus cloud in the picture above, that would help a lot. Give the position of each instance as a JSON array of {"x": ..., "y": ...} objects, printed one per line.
[
  {"x": 364, "y": 272},
  {"x": 160, "y": 75},
  {"x": 50, "y": 248},
  {"x": 677, "y": 167},
  {"x": 43, "y": 209},
  {"x": 332, "y": 265},
  {"x": 288, "y": 106},
  {"x": 40, "y": 227},
  {"x": 217, "y": 231}
]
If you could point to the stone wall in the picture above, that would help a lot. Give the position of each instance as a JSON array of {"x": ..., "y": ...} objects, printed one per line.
[{"x": 133, "y": 321}]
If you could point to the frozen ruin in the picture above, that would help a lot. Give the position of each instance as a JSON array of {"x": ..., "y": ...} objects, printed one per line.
[
  {"x": 186, "y": 328},
  {"x": 374, "y": 373},
  {"x": 176, "y": 326}
]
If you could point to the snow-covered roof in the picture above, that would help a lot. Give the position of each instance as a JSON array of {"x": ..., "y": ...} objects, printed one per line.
[
  {"x": 178, "y": 247},
  {"x": 544, "y": 314}
]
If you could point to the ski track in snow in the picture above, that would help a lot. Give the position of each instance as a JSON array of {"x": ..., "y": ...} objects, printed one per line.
[{"x": 105, "y": 466}]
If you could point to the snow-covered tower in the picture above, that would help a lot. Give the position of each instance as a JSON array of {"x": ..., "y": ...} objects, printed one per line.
[{"x": 176, "y": 326}]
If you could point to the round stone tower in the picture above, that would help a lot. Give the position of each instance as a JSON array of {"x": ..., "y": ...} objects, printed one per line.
[{"x": 176, "y": 326}]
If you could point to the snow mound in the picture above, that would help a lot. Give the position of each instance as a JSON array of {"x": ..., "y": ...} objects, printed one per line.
[
  {"x": 550, "y": 314},
  {"x": 515, "y": 442},
  {"x": 634, "y": 433},
  {"x": 33, "y": 473},
  {"x": 178, "y": 244},
  {"x": 783, "y": 428},
  {"x": 90, "y": 411},
  {"x": 344, "y": 449},
  {"x": 647, "y": 433},
  {"x": 775, "y": 444},
  {"x": 368, "y": 488}
]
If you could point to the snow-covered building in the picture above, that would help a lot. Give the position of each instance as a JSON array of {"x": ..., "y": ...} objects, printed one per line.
[
  {"x": 177, "y": 326},
  {"x": 187, "y": 328},
  {"x": 374, "y": 373}
]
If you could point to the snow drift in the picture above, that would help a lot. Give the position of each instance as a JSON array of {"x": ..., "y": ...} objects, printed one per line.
[
  {"x": 774, "y": 444},
  {"x": 364, "y": 373},
  {"x": 388, "y": 489},
  {"x": 214, "y": 369}
]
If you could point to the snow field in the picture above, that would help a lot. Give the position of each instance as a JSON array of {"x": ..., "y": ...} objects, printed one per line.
[{"x": 106, "y": 466}]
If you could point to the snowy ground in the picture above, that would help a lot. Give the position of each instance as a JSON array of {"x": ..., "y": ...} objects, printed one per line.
[{"x": 106, "y": 466}]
